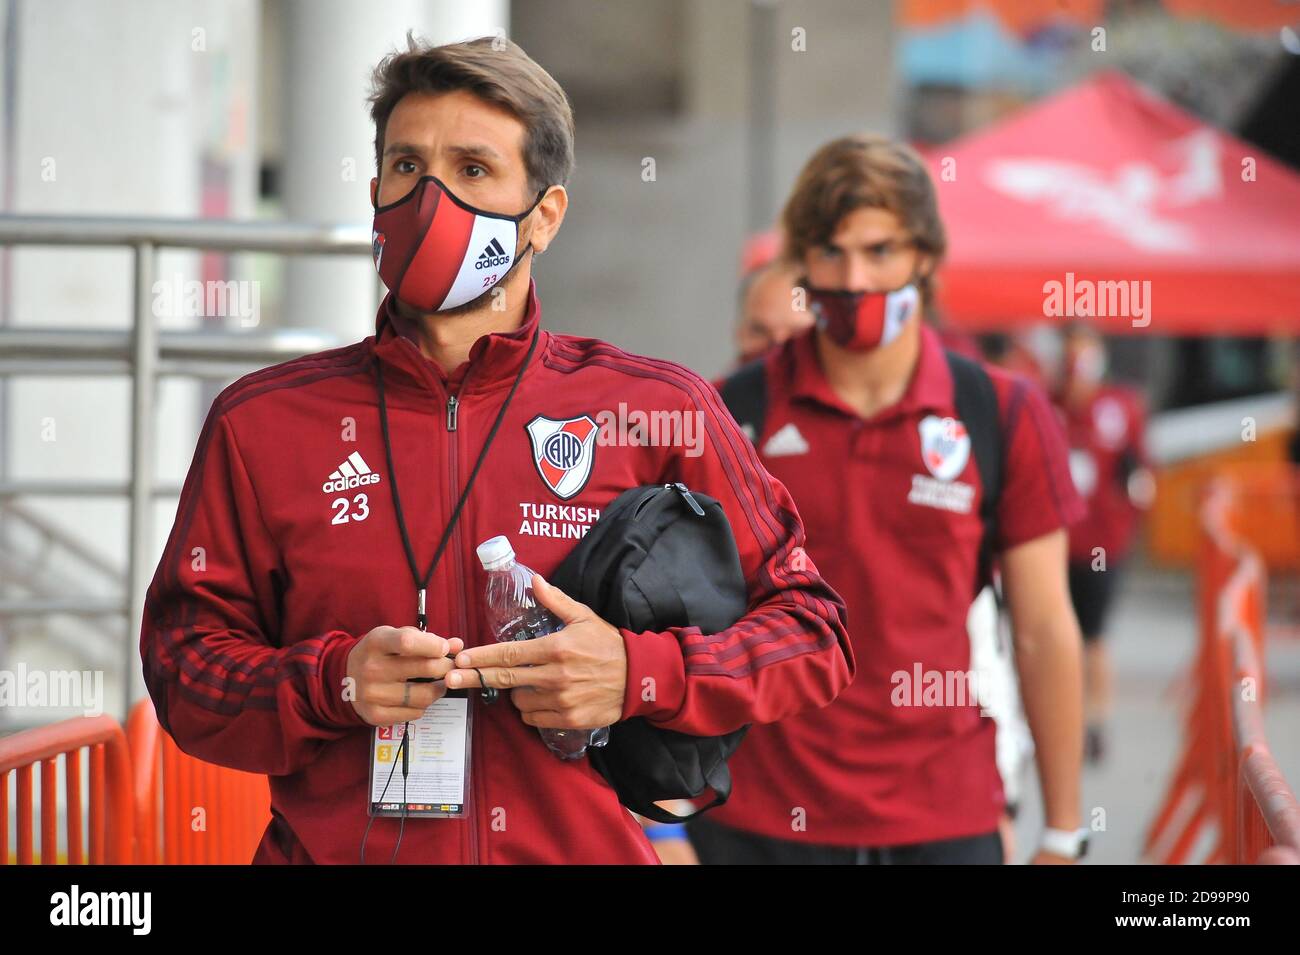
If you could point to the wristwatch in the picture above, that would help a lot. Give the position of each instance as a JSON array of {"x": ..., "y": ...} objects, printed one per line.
[{"x": 1068, "y": 843}]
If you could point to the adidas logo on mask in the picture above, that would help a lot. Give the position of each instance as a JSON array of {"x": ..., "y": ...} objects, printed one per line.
[{"x": 491, "y": 256}]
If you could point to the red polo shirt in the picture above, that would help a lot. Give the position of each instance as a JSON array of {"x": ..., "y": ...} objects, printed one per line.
[{"x": 891, "y": 508}]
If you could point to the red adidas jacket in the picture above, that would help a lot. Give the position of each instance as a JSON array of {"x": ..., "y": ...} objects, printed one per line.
[{"x": 272, "y": 573}]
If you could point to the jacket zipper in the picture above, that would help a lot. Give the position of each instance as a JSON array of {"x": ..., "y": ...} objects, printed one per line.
[
  {"x": 453, "y": 425},
  {"x": 476, "y": 758}
]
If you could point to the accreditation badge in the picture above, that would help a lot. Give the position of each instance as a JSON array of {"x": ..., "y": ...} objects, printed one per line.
[{"x": 431, "y": 778}]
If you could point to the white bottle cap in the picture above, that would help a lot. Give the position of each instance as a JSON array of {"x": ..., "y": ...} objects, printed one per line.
[{"x": 495, "y": 552}]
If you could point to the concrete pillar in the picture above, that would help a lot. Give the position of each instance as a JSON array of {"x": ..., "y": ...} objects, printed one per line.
[{"x": 330, "y": 47}]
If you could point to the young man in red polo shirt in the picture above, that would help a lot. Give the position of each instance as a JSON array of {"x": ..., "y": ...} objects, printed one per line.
[
  {"x": 860, "y": 420},
  {"x": 1106, "y": 425}
]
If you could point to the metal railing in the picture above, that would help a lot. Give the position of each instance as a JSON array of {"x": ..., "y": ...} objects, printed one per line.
[
  {"x": 111, "y": 833},
  {"x": 144, "y": 353},
  {"x": 1227, "y": 783}
]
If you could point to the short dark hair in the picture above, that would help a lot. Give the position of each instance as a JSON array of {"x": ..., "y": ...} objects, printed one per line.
[{"x": 496, "y": 70}]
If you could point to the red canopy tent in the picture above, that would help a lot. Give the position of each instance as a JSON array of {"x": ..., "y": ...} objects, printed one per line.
[{"x": 1109, "y": 183}]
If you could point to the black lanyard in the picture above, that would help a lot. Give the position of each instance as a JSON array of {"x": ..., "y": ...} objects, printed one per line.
[{"x": 422, "y": 583}]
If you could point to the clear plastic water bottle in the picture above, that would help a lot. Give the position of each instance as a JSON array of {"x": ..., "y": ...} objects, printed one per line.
[{"x": 514, "y": 614}]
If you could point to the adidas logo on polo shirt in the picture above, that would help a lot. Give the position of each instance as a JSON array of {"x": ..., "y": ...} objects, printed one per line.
[
  {"x": 353, "y": 472},
  {"x": 491, "y": 256},
  {"x": 787, "y": 441}
]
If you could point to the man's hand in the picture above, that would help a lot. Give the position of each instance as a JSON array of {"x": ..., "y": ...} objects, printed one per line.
[
  {"x": 385, "y": 659},
  {"x": 571, "y": 679}
]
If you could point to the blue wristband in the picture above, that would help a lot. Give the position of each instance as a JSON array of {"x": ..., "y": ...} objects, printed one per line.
[{"x": 660, "y": 831}]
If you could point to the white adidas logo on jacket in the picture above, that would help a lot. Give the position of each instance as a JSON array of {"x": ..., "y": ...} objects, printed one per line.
[{"x": 353, "y": 472}]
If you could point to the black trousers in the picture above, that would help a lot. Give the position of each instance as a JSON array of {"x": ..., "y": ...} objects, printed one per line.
[{"x": 716, "y": 844}]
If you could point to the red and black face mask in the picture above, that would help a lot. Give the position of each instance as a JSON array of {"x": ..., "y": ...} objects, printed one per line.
[
  {"x": 435, "y": 252},
  {"x": 861, "y": 321}
]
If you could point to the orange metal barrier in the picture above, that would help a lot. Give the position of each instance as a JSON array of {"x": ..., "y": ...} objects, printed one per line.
[
  {"x": 1173, "y": 533},
  {"x": 109, "y": 807},
  {"x": 1226, "y": 783},
  {"x": 148, "y": 801},
  {"x": 188, "y": 812},
  {"x": 1266, "y": 517}
]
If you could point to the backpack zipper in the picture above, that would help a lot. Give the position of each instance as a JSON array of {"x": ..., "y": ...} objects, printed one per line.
[
  {"x": 650, "y": 494},
  {"x": 645, "y": 498},
  {"x": 687, "y": 496}
]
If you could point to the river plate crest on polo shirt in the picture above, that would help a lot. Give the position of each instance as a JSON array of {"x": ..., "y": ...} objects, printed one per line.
[
  {"x": 563, "y": 451},
  {"x": 945, "y": 449}
]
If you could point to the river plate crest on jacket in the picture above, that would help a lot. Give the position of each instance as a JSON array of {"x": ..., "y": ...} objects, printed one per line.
[{"x": 563, "y": 451}]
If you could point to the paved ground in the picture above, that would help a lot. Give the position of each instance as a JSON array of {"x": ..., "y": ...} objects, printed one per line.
[{"x": 1153, "y": 640}]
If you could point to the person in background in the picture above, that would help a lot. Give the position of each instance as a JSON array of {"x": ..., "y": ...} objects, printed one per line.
[
  {"x": 1106, "y": 425},
  {"x": 1012, "y": 352},
  {"x": 769, "y": 312},
  {"x": 860, "y": 423}
]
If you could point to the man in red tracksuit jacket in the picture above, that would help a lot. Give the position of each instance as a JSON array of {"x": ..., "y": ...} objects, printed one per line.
[{"x": 278, "y": 629}]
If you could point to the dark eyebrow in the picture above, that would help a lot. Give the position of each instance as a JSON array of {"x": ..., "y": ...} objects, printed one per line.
[
  {"x": 476, "y": 151},
  {"x": 866, "y": 245},
  {"x": 473, "y": 151},
  {"x": 393, "y": 148}
]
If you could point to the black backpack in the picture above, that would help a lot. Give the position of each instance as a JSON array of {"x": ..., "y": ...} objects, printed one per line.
[
  {"x": 660, "y": 556},
  {"x": 976, "y": 401}
]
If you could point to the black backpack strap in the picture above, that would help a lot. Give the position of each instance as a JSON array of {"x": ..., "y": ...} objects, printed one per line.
[
  {"x": 718, "y": 776},
  {"x": 976, "y": 401},
  {"x": 745, "y": 395}
]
